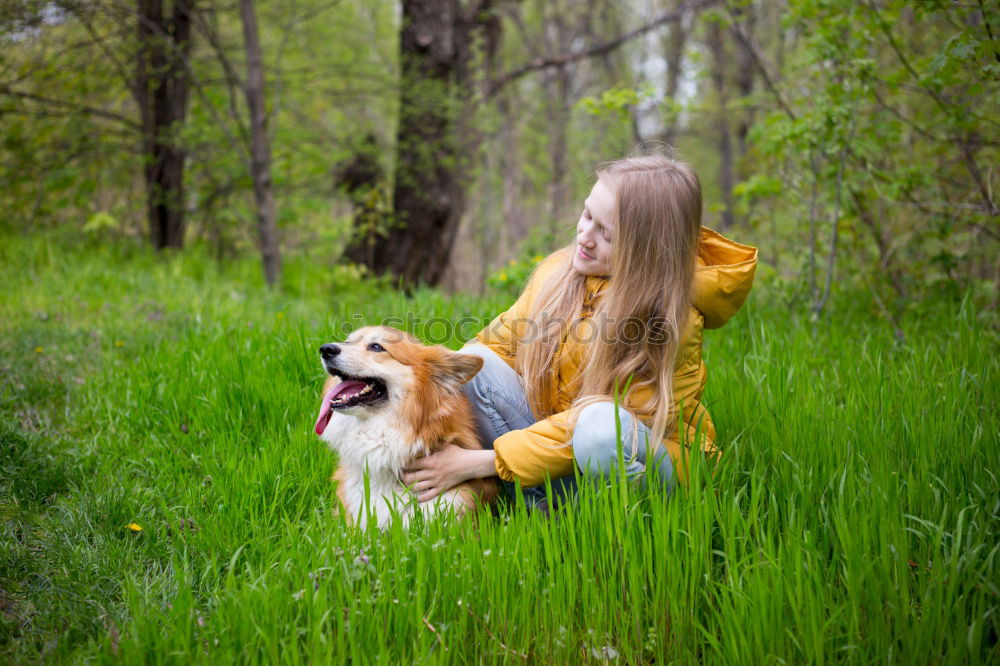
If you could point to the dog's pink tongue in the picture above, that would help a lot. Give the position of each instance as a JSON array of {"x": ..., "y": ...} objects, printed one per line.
[{"x": 326, "y": 410}]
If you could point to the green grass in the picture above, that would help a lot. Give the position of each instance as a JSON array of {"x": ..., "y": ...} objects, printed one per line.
[{"x": 854, "y": 517}]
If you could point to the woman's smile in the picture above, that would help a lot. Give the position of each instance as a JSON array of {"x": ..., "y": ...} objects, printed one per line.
[{"x": 583, "y": 254}]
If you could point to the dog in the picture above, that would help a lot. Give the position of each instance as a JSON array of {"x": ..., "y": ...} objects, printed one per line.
[{"x": 390, "y": 399}]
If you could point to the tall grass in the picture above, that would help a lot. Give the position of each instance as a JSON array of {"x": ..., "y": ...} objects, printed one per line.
[{"x": 854, "y": 515}]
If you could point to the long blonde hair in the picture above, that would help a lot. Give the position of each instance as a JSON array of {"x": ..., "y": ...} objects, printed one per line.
[{"x": 643, "y": 312}]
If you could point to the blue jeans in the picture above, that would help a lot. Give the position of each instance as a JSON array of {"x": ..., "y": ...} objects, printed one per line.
[{"x": 499, "y": 404}]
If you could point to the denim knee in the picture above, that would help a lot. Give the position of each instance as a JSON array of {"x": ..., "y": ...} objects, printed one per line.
[{"x": 595, "y": 440}]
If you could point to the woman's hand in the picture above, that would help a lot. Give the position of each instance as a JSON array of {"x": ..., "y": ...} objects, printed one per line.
[{"x": 432, "y": 475}]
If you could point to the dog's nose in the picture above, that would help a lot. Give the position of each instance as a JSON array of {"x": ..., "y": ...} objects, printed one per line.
[{"x": 329, "y": 350}]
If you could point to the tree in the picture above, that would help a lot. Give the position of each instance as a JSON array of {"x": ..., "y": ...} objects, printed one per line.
[
  {"x": 161, "y": 93},
  {"x": 260, "y": 147},
  {"x": 437, "y": 50}
]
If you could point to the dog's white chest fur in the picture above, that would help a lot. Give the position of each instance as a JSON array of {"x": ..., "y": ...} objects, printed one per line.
[{"x": 376, "y": 446}]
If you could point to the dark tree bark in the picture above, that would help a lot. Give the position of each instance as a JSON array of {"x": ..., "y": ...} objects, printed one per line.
[
  {"x": 718, "y": 74},
  {"x": 436, "y": 44},
  {"x": 260, "y": 147},
  {"x": 162, "y": 87}
]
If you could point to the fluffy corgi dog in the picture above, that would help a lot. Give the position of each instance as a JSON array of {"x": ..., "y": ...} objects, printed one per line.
[{"x": 390, "y": 399}]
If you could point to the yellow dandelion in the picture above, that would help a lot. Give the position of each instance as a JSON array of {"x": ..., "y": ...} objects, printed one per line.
[
  {"x": 281, "y": 315},
  {"x": 512, "y": 262},
  {"x": 39, "y": 350},
  {"x": 503, "y": 275},
  {"x": 119, "y": 343},
  {"x": 134, "y": 527},
  {"x": 537, "y": 257}
]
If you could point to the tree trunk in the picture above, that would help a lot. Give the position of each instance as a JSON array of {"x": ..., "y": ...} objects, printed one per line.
[
  {"x": 429, "y": 189},
  {"x": 260, "y": 148},
  {"x": 162, "y": 95},
  {"x": 674, "y": 49},
  {"x": 744, "y": 78},
  {"x": 557, "y": 90},
  {"x": 718, "y": 74}
]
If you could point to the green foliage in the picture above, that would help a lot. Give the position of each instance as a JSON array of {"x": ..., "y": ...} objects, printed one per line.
[
  {"x": 618, "y": 100},
  {"x": 60, "y": 163},
  {"x": 888, "y": 119},
  {"x": 852, "y": 516},
  {"x": 893, "y": 100}
]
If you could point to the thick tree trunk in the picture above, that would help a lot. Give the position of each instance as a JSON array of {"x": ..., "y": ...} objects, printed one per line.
[
  {"x": 162, "y": 95},
  {"x": 260, "y": 147},
  {"x": 429, "y": 189},
  {"x": 427, "y": 194}
]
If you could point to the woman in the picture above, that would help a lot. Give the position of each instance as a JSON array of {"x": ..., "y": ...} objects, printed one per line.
[{"x": 618, "y": 312}]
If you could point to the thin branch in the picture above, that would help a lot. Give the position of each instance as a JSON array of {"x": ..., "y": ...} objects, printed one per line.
[
  {"x": 943, "y": 103},
  {"x": 927, "y": 134},
  {"x": 232, "y": 79},
  {"x": 832, "y": 260},
  {"x": 989, "y": 28},
  {"x": 896, "y": 330},
  {"x": 122, "y": 70},
  {"x": 926, "y": 207},
  {"x": 747, "y": 42},
  {"x": 286, "y": 33},
  {"x": 600, "y": 49},
  {"x": 46, "y": 59},
  {"x": 71, "y": 107},
  {"x": 814, "y": 163}
]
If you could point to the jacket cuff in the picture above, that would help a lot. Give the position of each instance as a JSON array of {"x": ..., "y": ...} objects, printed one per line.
[{"x": 503, "y": 471}]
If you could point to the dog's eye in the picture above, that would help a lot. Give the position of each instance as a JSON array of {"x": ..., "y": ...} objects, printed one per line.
[{"x": 376, "y": 347}]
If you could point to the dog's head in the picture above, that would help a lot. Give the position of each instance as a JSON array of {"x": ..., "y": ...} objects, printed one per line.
[{"x": 378, "y": 368}]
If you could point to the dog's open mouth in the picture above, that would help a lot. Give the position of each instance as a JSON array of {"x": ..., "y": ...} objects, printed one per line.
[{"x": 350, "y": 392}]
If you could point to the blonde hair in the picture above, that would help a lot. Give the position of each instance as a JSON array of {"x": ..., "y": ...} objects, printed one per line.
[{"x": 643, "y": 312}]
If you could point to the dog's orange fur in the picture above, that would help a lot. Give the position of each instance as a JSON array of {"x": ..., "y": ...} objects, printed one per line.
[{"x": 435, "y": 413}]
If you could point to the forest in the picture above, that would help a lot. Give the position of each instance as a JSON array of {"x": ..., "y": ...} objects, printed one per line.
[
  {"x": 196, "y": 194},
  {"x": 854, "y": 142}
]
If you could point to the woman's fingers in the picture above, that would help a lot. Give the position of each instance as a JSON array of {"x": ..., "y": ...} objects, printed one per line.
[
  {"x": 428, "y": 494},
  {"x": 431, "y": 475},
  {"x": 419, "y": 463},
  {"x": 410, "y": 477}
]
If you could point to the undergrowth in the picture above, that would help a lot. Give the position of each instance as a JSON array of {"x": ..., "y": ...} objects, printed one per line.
[{"x": 853, "y": 517}]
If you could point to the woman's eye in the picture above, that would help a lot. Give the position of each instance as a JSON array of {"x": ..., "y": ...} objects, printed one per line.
[{"x": 376, "y": 347}]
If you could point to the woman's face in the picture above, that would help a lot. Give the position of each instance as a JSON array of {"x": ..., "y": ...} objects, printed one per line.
[{"x": 594, "y": 232}]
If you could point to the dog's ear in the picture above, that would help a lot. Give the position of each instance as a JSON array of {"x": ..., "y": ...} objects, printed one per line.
[{"x": 452, "y": 369}]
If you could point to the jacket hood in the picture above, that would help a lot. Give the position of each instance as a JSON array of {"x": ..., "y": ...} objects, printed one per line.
[{"x": 723, "y": 277}]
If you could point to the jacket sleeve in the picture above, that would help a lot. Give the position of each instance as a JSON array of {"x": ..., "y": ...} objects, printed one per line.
[{"x": 530, "y": 454}]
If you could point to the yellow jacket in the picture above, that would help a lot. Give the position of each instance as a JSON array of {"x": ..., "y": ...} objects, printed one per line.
[{"x": 723, "y": 279}]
